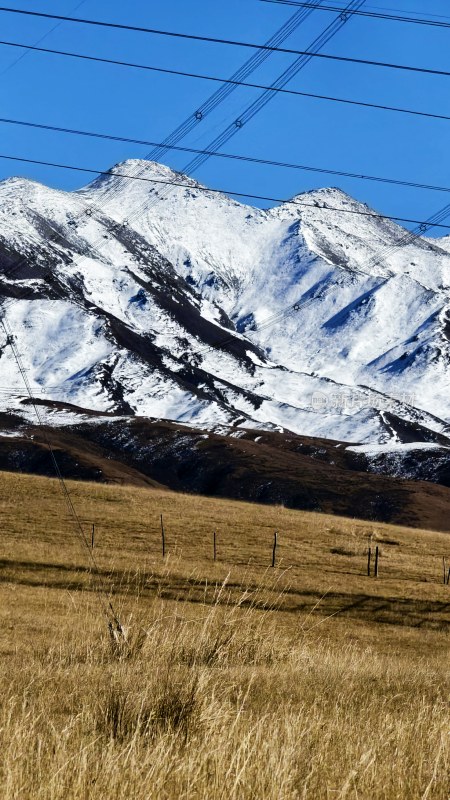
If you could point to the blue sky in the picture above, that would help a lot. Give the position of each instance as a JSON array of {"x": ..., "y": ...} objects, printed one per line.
[{"x": 110, "y": 99}]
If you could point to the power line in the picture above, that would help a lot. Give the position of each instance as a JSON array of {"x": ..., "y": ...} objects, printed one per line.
[
  {"x": 259, "y": 47},
  {"x": 248, "y": 113},
  {"x": 231, "y": 156},
  {"x": 216, "y": 79},
  {"x": 38, "y": 41},
  {"x": 253, "y": 109},
  {"x": 406, "y": 11},
  {"x": 306, "y": 5},
  {"x": 257, "y": 105},
  {"x": 199, "y": 188},
  {"x": 231, "y": 42},
  {"x": 228, "y": 87},
  {"x": 209, "y": 153},
  {"x": 283, "y": 79},
  {"x": 289, "y": 73},
  {"x": 283, "y": 31},
  {"x": 123, "y": 27},
  {"x": 105, "y": 605},
  {"x": 371, "y": 14}
]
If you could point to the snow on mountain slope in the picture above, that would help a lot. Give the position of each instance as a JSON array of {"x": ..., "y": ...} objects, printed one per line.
[{"x": 139, "y": 297}]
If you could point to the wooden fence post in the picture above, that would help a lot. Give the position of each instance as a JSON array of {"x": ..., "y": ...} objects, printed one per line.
[
  {"x": 163, "y": 537},
  {"x": 214, "y": 546},
  {"x": 444, "y": 566},
  {"x": 376, "y": 562},
  {"x": 369, "y": 556},
  {"x": 448, "y": 577},
  {"x": 274, "y": 549}
]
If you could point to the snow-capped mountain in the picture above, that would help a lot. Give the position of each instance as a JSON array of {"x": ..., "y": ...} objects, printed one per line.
[{"x": 142, "y": 298}]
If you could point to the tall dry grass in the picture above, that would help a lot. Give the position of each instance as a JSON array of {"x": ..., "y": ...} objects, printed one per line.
[
  {"x": 218, "y": 701},
  {"x": 308, "y": 681}
]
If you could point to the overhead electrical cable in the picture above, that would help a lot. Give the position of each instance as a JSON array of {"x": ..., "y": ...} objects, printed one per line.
[
  {"x": 256, "y": 60},
  {"x": 280, "y": 35},
  {"x": 229, "y": 86},
  {"x": 222, "y": 93},
  {"x": 225, "y": 90},
  {"x": 436, "y": 23},
  {"x": 265, "y": 97},
  {"x": 409, "y": 11},
  {"x": 38, "y": 41},
  {"x": 254, "y": 46},
  {"x": 293, "y": 92},
  {"x": 231, "y": 156},
  {"x": 254, "y": 108},
  {"x": 196, "y": 162},
  {"x": 343, "y": 18},
  {"x": 194, "y": 186},
  {"x": 105, "y": 603}
]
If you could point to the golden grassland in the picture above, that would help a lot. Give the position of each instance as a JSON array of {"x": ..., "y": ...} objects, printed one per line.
[{"x": 233, "y": 680}]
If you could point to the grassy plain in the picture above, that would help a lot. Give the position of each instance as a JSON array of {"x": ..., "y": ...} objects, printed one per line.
[{"x": 233, "y": 680}]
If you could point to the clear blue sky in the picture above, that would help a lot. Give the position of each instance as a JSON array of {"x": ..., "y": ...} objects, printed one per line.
[{"x": 111, "y": 99}]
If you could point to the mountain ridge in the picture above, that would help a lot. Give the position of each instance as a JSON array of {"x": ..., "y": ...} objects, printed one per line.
[{"x": 185, "y": 304}]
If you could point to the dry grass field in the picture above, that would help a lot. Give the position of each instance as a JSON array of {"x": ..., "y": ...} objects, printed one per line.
[{"x": 233, "y": 680}]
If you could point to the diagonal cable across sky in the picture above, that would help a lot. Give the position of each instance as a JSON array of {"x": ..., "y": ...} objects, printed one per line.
[
  {"x": 250, "y": 111},
  {"x": 216, "y": 98}
]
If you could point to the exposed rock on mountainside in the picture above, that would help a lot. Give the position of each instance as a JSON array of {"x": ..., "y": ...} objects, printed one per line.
[{"x": 309, "y": 316}]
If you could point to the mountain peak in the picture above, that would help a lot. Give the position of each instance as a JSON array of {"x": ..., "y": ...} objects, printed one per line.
[
  {"x": 139, "y": 171},
  {"x": 17, "y": 184}
]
